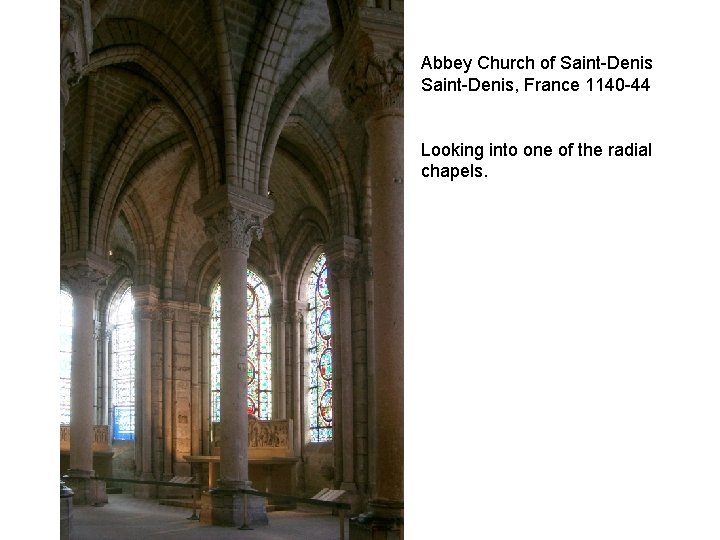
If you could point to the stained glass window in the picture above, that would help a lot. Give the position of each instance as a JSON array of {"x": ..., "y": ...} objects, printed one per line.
[
  {"x": 259, "y": 346},
  {"x": 66, "y": 326},
  {"x": 319, "y": 331},
  {"x": 122, "y": 326}
]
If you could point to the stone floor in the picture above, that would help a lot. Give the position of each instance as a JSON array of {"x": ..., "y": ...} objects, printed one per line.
[{"x": 128, "y": 518}]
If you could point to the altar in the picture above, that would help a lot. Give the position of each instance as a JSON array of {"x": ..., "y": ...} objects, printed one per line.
[{"x": 271, "y": 463}]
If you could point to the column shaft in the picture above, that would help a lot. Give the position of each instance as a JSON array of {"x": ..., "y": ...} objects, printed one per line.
[
  {"x": 345, "y": 331},
  {"x": 297, "y": 378},
  {"x": 205, "y": 387},
  {"x": 279, "y": 377},
  {"x": 105, "y": 403},
  {"x": 385, "y": 138},
  {"x": 167, "y": 396},
  {"x": 195, "y": 405},
  {"x": 82, "y": 385},
  {"x": 143, "y": 416},
  {"x": 233, "y": 368}
]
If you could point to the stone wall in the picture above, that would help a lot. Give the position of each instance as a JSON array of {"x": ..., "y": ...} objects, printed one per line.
[{"x": 317, "y": 468}]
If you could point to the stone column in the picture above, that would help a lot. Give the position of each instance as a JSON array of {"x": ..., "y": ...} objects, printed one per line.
[
  {"x": 341, "y": 254},
  {"x": 85, "y": 274},
  {"x": 145, "y": 311},
  {"x": 106, "y": 340},
  {"x": 298, "y": 390},
  {"x": 232, "y": 217},
  {"x": 167, "y": 392},
  {"x": 205, "y": 383},
  {"x": 279, "y": 315},
  {"x": 368, "y": 69},
  {"x": 195, "y": 392}
]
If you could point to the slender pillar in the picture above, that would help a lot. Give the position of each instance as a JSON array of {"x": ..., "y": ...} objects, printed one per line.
[
  {"x": 85, "y": 274},
  {"x": 341, "y": 254},
  {"x": 195, "y": 392},
  {"x": 232, "y": 217},
  {"x": 108, "y": 405},
  {"x": 297, "y": 378},
  {"x": 368, "y": 69},
  {"x": 105, "y": 376},
  {"x": 145, "y": 298},
  {"x": 279, "y": 377},
  {"x": 205, "y": 383},
  {"x": 168, "y": 401}
]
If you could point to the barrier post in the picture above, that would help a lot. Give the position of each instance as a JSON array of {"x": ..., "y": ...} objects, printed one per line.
[
  {"x": 194, "y": 514},
  {"x": 341, "y": 514},
  {"x": 245, "y": 526}
]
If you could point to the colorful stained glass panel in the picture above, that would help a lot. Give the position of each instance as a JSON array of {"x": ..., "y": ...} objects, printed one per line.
[
  {"x": 259, "y": 343},
  {"x": 319, "y": 333}
]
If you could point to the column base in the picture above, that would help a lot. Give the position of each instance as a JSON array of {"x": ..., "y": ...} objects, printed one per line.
[
  {"x": 227, "y": 508},
  {"x": 384, "y": 521},
  {"x": 87, "y": 491}
]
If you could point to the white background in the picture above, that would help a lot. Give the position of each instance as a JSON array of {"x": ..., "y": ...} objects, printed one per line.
[{"x": 562, "y": 315}]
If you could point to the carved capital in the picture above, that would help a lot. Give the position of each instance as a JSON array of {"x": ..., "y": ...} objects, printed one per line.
[
  {"x": 374, "y": 84},
  {"x": 343, "y": 257},
  {"x": 341, "y": 270},
  {"x": 83, "y": 279},
  {"x": 75, "y": 42},
  {"x": 233, "y": 216},
  {"x": 368, "y": 67},
  {"x": 231, "y": 228}
]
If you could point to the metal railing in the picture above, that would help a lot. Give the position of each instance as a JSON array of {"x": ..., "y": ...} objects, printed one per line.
[
  {"x": 341, "y": 507},
  {"x": 176, "y": 484}
]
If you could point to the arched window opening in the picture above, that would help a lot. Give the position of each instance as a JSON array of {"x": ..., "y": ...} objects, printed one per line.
[
  {"x": 259, "y": 347},
  {"x": 66, "y": 327},
  {"x": 319, "y": 331},
  {"x": 122, "y": 394}
]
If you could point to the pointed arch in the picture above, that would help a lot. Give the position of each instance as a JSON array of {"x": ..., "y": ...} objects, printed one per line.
[
  {"x": 326, "y": 153},
  {"x": 172, "y": 84}
]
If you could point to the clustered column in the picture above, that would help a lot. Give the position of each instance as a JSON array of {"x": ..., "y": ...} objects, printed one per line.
[
  {"x": 168, "y": 316},
  {"x": 341, "y": 256},
  {"x": 279, "y": 376},
  {"x": 146, "y": 305},
  {"x": 297, "y": 320},
  {"x": 195, "y": 388}
]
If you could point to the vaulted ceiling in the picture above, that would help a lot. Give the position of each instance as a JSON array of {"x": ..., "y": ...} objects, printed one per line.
[{"x": 146, "y": 130}]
